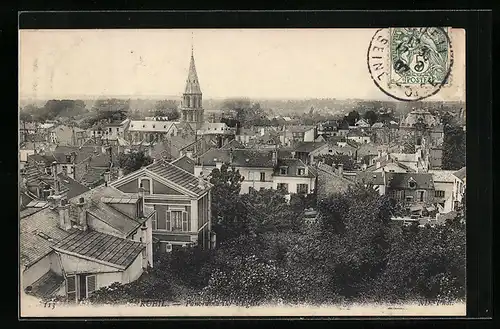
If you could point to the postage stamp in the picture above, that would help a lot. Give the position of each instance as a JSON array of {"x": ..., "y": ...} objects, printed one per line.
[{"x": 410, "y": 64}]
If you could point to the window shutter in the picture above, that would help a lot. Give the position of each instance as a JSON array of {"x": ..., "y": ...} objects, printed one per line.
[
  {"x": 184, "y": 221},
  {"x": 91, "y": 284},
  {"x": 167, "y": 218},
  {"x": 71, "y": 287}
]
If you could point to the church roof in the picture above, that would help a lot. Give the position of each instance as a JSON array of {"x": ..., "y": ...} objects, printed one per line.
[{"x": 192, "y": 83}]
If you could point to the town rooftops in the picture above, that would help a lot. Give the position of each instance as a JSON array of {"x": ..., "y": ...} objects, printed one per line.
[
  {"x": 402, "y": 180},
  {"x": 240, "y": 158},
  {"x": 101, "y": 247},
  {"x": 38, "y": 233},
  {"x": 179, "y": 177},
  {"x": 307, "y": 147},
  {"x": 375, "y": 178},
  {"x": 233, "y": 144},
  {"x": 297, "y": 129},
  {"x": 185, "y": 163}
]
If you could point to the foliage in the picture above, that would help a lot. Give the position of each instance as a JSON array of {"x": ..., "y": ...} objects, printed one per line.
[
  {"x": 133, "y": 161},
  {"x": 371, "y": 117},
  {"x": 54, "y": 109},
  {"x": 167, "y": 108},
  {"x": 245, "y": 112},
  {"x": 454, "y": 145},
  {"x": 352, "y": 117}
]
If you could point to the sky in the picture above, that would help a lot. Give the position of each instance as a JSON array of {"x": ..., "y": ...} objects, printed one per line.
[{"x": 253, "y": 63}]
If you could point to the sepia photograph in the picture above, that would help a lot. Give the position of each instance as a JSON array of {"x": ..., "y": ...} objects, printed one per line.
[{"x": 242, "y": 172}]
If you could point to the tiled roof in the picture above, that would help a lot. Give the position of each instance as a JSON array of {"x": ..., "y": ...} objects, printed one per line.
[
  {"x": 401, "y": 180},
  {"x": 151, "y": 126},
  {"x": 34, "y": 246},
  {"x": 71, "y": 186},
  {"x": 178, "y": 176},
  {"x": 375, "y": 178},
  {"x": 297, "y": 129},
  {"x": 81, "y": 153},
  {"x": 241, "y": 158},
  {"x": 308, "y": 147},
  {"x": 102, "y": 247},
  {"x": 185, "y": 163},
  {"x": 233, "y": 144},
  {"x": 460, "y": 173},
  {"x": 47, "y": 285},
  {"x": 443, "y": 175},
  {"x": 29, "y": 211},
  {"x": 293, "y": 165}
]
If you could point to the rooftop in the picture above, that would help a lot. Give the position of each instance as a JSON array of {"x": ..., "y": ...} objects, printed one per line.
[
  {"x": 101, "y": 247},
  {"x": 460, "y": 173},
  {"x": 185, "y": 163},
  {"x": 293, "y": 165},
  {"x": 241, "y": 158},
  {"x": 443, "y": 175},
  {"x": 401, "y": 180},
  {"x": 47, "y": 285},
  {"x": 308, "y": 147},
  {"x": 375, "y": 178},
  {"x": 154, "y": 126}
]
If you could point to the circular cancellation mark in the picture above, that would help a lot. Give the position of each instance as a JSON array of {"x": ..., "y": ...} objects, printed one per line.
[{"x": 410, "y": 64}]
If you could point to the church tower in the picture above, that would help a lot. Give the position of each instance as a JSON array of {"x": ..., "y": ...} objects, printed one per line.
[{"x": 191, "y": 106}]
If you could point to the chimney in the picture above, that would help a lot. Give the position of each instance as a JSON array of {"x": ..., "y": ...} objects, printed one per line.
[
  {"x": 275, "y": 157},
  {"x": 340, "y": 171},
  {"x": 231, "y": 156},
  {"x": 120, "y": 172},
  {"x": 107, "y": 177},
  {"x": 140, "y": 203},
  {"x": 63, "y": 207},
  {"x": 82, "y": 214},
  {"x": 377, "y": 164}
]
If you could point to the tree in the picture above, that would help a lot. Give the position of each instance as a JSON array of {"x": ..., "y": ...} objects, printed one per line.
[
  {"x": 371, "y": 117},
  {"x": 167, "y": 108},
  {"x": 133, "y": 161},
  {"x": 454, "y": 145},
  {"x": 25, "y": 117},
  {"x": 352, "y": 117},
  {"x": 108, "y": 110},
  {"x": 245, "y": 112}
]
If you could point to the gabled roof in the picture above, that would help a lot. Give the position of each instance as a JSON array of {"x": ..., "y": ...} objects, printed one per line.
[
  {"x": 308, "y": 147},
  {"x": 296, "y": 129},
  {"x": 151, "y": 126},
  {"x": 72, "y": 187},
  {"x": 401, "y": 180},
  {"x": 179, "y": 177},
  {"x": 444, "y": 176},
  {"x": 101, "y": 247},
  {"x": 233, "y": 144},
  {"x": 185, "y": 163}
]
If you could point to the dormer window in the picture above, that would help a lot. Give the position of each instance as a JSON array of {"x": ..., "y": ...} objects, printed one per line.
[
  {"x": 283, "y": 170},
  {"x": 412, "y": 184},
  {"x": 153, "y": 126},
  {"x": 301, "y": 171}
]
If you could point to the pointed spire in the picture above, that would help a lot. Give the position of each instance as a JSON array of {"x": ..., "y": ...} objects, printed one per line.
[{"x": 192, "y": 83}]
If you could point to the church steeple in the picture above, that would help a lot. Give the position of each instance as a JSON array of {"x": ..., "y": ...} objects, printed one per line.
[{"x": 192, "y": 110}]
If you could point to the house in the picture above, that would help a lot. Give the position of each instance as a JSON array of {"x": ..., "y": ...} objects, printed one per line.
[
  {"x": 306, "y": 151},
  {"x": 116, "y": 128},
  {"x": 410, "y": 188},
  {"x": 359, "y": 137},
  {"x": 245, "y": 135},
  {"x": 294, "y": 176},
  {"x": 150, "y": 131},
  {"x": 362, "y": 123},
  {"x": 328, "y": 129},
  {"x": 181, "y": 200},
  {"x": 66, "y": 135},
  {"x": 297, "y": 133},
  {"x": 261, "y": 169},
  {"x": 73, "y": 248},
  {"x": 448, "y": 190},
  {"x": 331, "y": 180},
  {"x": 216, "y": 128},
  {"x": 376, "y": 180}
]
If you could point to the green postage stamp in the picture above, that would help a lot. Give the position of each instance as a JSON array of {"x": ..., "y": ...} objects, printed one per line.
[{"x": 419, "y": 56}]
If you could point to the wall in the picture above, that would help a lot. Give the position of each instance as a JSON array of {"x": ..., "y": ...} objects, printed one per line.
[
  {"x": 293, "y": 181},
  {"x": 133, "y": 272},
  {"x": 107, "y": 279},
  {"x": 36, "y": 271},
  {"x": 101, "y": 226},
  {"x": 72, "y": 264},
  {"x": 161, "y": 214},
  {"x": 448, "y": 195},
  {"x": 127, "y": 209},
  {"x": 159, "y": 188}
]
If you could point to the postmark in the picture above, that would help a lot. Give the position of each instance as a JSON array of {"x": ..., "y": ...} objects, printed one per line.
[{"x": 410, "y": 64}]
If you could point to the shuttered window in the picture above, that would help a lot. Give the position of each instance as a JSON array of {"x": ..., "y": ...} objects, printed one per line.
[
  {"x": 91, "y": 284},
  {"x": 154, "y": 220},
  {"x": 185, "y": 221},
  {"x": 71, "y": 288},
  {"x": 167, "y": 221}
]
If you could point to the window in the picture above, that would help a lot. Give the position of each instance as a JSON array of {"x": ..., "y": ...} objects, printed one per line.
[
  {"x": 302, "y": 188},
  {"x": 91, "y": 284},
  {"x": 262, "y": 176},
  {"x": 439, "y": 194},
  {"x": 283, "y": 187},
  {"x": 110, "y": 129},
  {"x": 71, "y": 287},
  {"x": 412, "y": 184},
  {"x": 421, "y": 196},
  {"x": 283, "y": 171},
  {"x": 146, "y": 184},
  {"x": 409, "y": 198},
  {"x": 301, "y": 171},
  {"x": 178, "y": 221}
]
